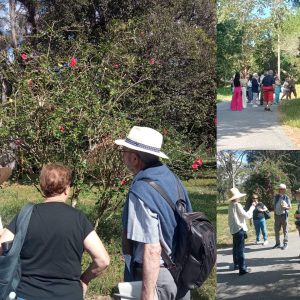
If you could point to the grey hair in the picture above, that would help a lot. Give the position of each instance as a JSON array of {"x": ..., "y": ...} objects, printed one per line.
[
  {"x": 147, "y": 158},
  {"x": 271, "y": 72}
]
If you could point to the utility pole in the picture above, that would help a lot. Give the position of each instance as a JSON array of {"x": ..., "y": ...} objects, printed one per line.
[{"x": 278, "y": 54}]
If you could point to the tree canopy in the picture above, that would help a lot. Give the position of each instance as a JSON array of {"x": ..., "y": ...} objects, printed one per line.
[{"x": 247, "y": 36}]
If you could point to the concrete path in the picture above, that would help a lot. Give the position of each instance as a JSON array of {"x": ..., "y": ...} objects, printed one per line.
[
  {"x": 275, "y": 273},
  {"x": 251, "y": 129}
]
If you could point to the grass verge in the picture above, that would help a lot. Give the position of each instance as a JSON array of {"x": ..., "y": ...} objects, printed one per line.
[{"x": 224, "y": 93}]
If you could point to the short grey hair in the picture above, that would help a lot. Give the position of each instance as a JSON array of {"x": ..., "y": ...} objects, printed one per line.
[{"x": 271, "y": 72}]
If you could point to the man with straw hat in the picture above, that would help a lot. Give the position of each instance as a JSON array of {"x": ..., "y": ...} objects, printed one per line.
[
  {"x": 148, "y": 221},
  {"x": 4, "y": 175},
  {"x": 237, "y": 224},
  {"x": 282, "y": 204}
]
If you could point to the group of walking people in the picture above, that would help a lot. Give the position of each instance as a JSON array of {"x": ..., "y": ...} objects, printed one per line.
[
  {"x": 262, "y": 89},
  {"x": 237, "y": 216},
  {"x": 58, "y": 234}
]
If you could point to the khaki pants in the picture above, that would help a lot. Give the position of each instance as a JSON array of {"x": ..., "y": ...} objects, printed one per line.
[{"x": 281, "y": 221}]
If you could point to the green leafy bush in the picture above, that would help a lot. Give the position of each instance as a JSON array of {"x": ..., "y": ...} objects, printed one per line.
[{"x": 264, "y": 181}]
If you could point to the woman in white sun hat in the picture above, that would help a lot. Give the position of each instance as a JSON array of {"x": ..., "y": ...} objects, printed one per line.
[{"x": 237, "y": 224}]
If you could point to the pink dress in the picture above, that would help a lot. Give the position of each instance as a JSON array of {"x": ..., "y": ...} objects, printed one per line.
[{"x": 236, "y": 102}]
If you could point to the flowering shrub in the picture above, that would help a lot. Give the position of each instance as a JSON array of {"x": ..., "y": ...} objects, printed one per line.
[{"x": 74, "y": 96}]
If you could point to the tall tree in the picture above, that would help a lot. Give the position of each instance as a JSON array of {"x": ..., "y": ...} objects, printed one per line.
[
  {"x": 13, "y": 22},
  {"x": 231, "y": 163}
]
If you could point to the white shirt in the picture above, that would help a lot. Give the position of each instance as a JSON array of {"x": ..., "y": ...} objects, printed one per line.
[{"x": 237, "y": 217}]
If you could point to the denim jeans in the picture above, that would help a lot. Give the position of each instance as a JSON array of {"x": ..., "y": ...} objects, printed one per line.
[
  {"x": 260, "y": 225},
  {"x": 238, "y": 250}
]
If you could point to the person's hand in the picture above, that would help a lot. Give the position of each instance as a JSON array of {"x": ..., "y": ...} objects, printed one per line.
[
  {"x": 84, "y": 287},
  {"x": 254, "y": 204}
]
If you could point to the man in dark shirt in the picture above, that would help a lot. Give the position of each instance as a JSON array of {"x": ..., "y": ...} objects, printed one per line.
[{"x": 268, "y": 85}]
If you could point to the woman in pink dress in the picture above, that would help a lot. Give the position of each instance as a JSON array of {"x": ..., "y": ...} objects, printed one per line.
[{"x": 236, "y": 102}]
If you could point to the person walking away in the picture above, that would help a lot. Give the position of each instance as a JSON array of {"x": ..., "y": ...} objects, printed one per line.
[
  {"x": 282, "y": 204},
  {"x": 277, "y": 90},
  {"x": 244, "y": 83},
  {"x": 238, "y": 228},
  {"x": 259, "y": 220},
  {"x": 249, "y": 87},
  {"x": 262, "y": 76},
  {"x": 56, "y": 238},
  {"x": 236, "y": 101},
  {"x": 268, "y": 85},
  {"x": 286, "y": 89},
  {"x": 292, "y": 87},
  {"x": 148, "y": 221},
  {"x": 255, "y": 90}
]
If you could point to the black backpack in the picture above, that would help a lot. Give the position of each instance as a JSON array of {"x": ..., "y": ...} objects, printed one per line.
[
  {"x": 195, "y": 254},
  {"x": 10, "y": 265}
]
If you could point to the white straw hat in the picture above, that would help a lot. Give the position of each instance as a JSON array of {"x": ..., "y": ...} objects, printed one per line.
[
  {"x": 4, "y": 174},
  {"x": 235, "y": 194},
  {"x": 282, "y": 186},
  {"x": 144, "y": 139}
]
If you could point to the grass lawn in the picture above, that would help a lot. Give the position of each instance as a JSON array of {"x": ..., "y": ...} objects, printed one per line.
[
  {"x": 224, "y": 238},
  {"x": 224, "y": 93},
  {"x": 290, "y": 113},
  {"x": 203, "y": 197}
]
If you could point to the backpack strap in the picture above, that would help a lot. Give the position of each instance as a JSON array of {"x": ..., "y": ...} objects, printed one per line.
[
  {"x": 166, "y": 258},
  {"x": 21, "y": 230}
]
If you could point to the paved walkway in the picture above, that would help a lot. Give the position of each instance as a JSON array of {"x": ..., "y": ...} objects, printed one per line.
[
  {"x": 275, "y": 273},
  {"x": 251, "y": 129}
]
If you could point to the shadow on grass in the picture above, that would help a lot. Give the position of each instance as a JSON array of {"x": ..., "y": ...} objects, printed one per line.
[{"x": 205, "y": 203}]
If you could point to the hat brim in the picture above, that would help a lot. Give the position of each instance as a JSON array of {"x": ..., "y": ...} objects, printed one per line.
[
  {"x": 124, "y": 144},
  {"x": 5, "y": 174},
  {"x": 240, "y": 195}
]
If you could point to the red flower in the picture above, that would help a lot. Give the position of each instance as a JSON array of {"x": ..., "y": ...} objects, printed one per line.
[
  {"x": 73, "y": 62},
  {"x": 116, "y": 66},
  {"x": 123, "y": 182},
  {"x": 195, "y": 166},
  {"x": 24, "y": 56},
  {"x": 199, "y": 162},
  {"x": 165, "y": 131},
  {"x": 62, "y": 129},
  {"x": 152, "y": 61},
  {"x": 30, "y": 82},
  {"x": 18, "y": 142}
]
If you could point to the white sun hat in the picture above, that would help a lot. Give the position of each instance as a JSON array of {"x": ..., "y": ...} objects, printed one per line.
[
  {"x": 235, "y": 194},
  {"x": 5, "y": 173},
  {"x": 282, "y": 186},
  {"x": 143, "y": 139}
]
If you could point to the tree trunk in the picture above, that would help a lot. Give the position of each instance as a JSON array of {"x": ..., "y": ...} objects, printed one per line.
[{"x": 13, "y": 22}]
